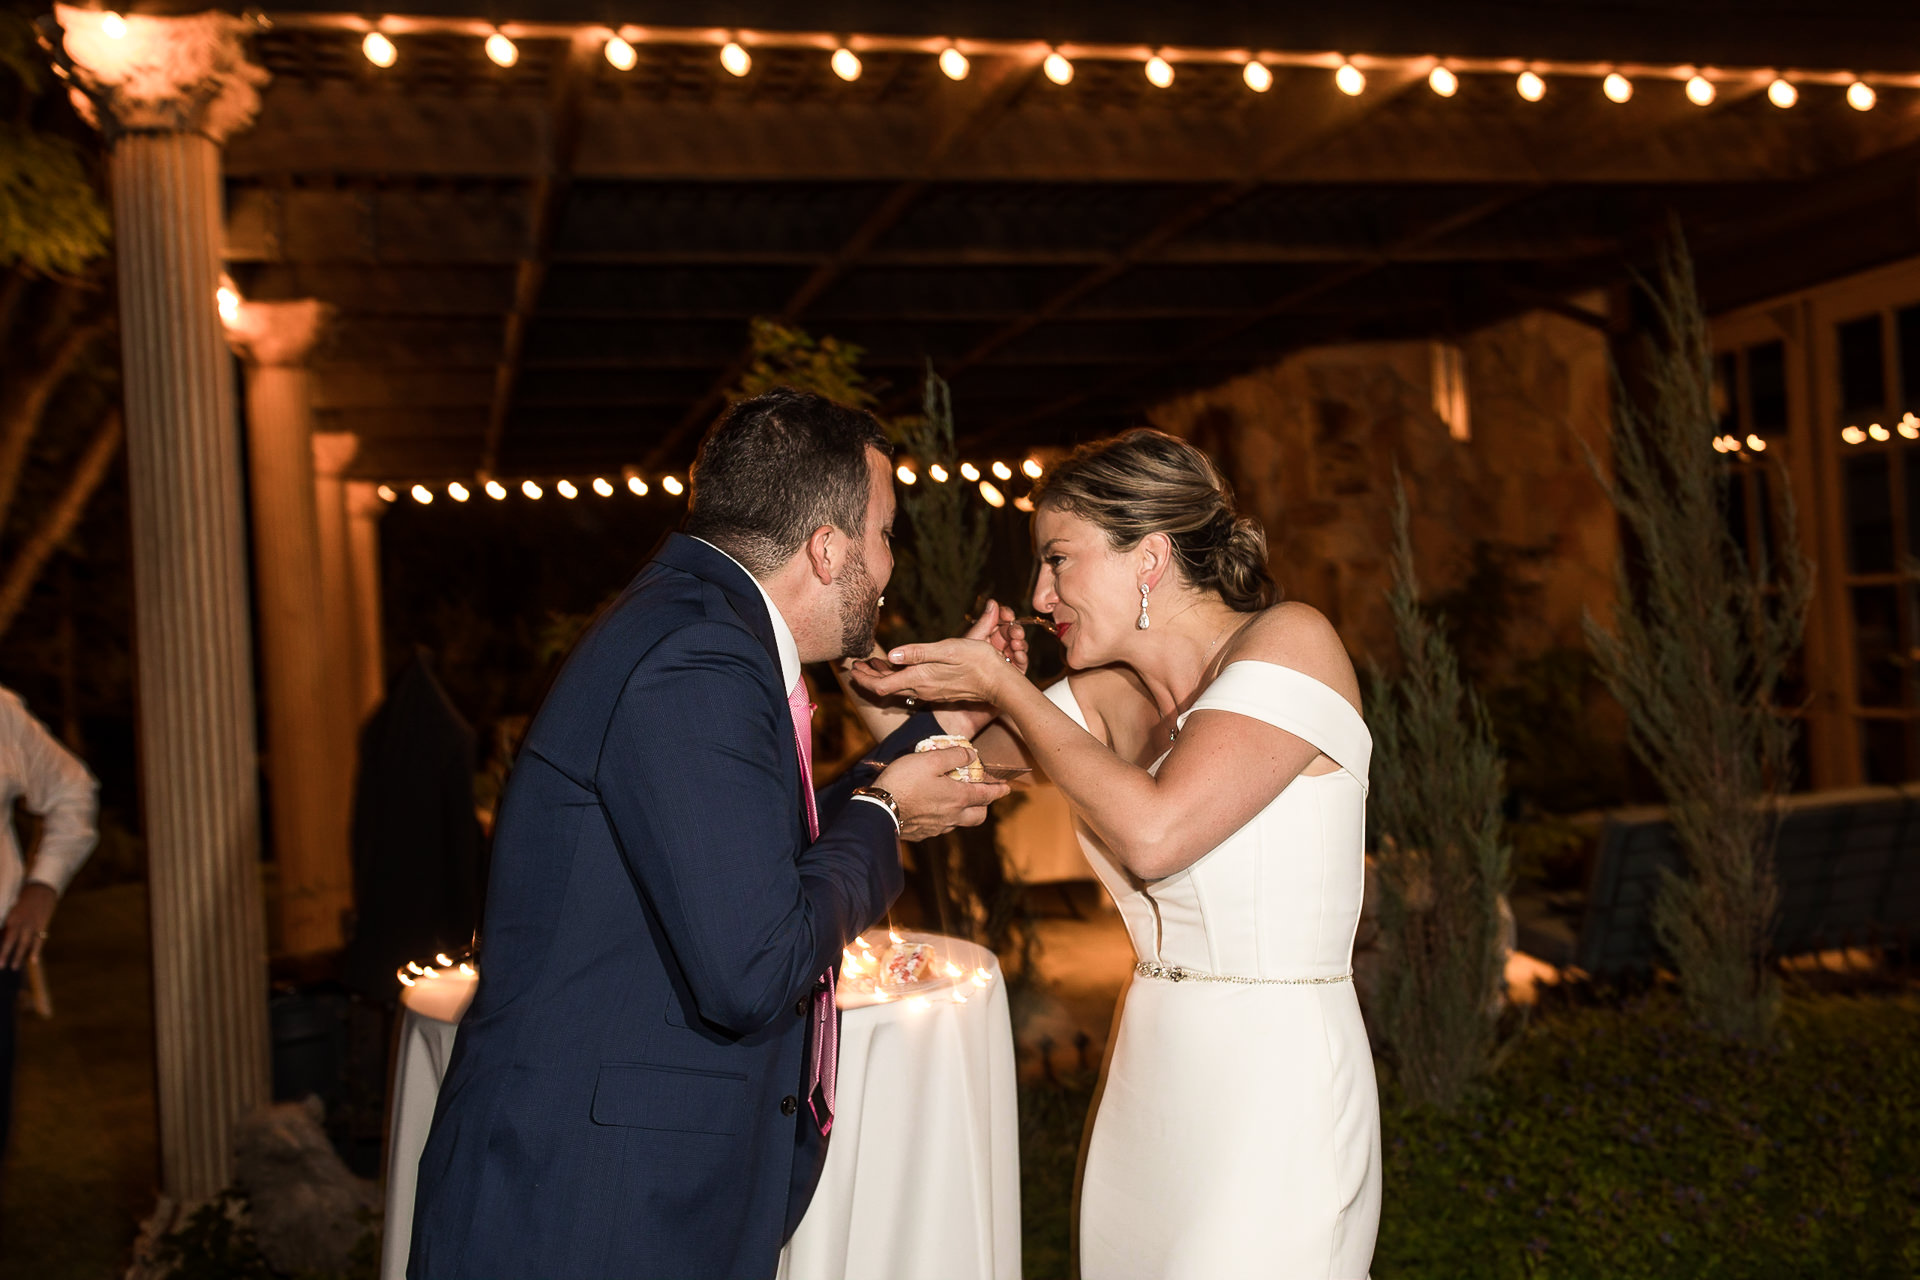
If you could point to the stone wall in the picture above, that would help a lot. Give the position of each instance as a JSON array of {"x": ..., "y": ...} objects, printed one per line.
[{"x": 1311, "y": 445}]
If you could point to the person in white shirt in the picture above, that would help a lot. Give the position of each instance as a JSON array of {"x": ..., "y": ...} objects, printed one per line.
[{"x": 35, "y": 769}]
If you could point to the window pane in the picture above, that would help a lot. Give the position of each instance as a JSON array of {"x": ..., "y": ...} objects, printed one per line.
[
  {"x": 1883, "y": 750},
  {"x": 1869, "y": 514},
  {"x": 1725, "y": 406},
  {"x": 1767, "y": 388},
  {"x": 1909, "y": 321},
  {"x": 1863, "y": 376},
  {"x": 1878, "y": 653}
]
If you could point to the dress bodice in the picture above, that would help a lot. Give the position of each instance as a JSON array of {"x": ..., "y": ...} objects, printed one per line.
[{"x": 1280, "y": 897}]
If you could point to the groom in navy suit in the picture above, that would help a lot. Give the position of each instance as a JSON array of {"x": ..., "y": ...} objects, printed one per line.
[{"x": 643, "y": 1085}]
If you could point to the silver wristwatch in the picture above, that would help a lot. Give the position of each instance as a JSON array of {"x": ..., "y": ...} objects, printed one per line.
[{"x": 884, "y": 799}]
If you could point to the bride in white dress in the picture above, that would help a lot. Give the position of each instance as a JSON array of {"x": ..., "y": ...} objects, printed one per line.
[{"x": 1211, "y": 745}]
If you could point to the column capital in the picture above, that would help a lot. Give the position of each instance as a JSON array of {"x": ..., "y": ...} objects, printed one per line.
[
  {"x": 140, "y": 73},
  {"x": 333, "y": 451},
  {"x": 279, "y": 334}
]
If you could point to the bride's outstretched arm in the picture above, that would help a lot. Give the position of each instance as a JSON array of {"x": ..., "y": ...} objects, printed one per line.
[
  {"x": 882, "y": 716},
  {"x": 1223, "y": 769}
]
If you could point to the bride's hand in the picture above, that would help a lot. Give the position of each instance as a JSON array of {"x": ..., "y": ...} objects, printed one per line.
[{"x": 947, "y": 671}]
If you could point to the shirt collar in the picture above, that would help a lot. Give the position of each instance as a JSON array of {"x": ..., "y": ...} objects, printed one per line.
[{"x": 783, "y": 641}]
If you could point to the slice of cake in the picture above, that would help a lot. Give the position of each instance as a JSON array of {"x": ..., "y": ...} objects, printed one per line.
[{"x": 972, "y": 771}]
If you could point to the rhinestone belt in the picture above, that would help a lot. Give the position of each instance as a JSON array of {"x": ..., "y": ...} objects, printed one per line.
[{"x": 1175, "y": 973}]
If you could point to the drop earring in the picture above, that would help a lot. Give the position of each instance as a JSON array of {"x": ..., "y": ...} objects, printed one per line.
[{"x": 1143, "y": 622}]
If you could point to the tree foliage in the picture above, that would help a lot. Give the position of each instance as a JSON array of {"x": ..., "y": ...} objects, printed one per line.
[
  {"x": 52, "y": 220},
  {"x": 1443, "y": 859},
  {"x": 1703, "y": 634}
]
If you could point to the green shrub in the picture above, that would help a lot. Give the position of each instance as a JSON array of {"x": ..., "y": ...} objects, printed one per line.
[{"x": 1625, "y": 1143}]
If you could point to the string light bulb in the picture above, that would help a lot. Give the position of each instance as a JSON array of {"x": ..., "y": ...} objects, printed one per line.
[
  {"x": 1879, "y": 433},
  {"x": 1909, "y": 426},
  {"x": 386, "y": 493},
  {"x": 1617, "y": 87},
  {"x": 735, "y": 59},
  {"x": 1443, "y": 82},
  {"x": 496, "y": 490},
  {"x": 1002, "y": 471},
  {"x": 1257, "y": 75},
  {"x": 938, "y": 472},
  {"x": 531, "y": 489},
  {"x": 954, "y": 63},
  {"x": 636, "y": 486},
  {"x": 846, "y": 64},
  {"x": 621, "y": 54},
  {"x": 673, "y": 486},
  {"x": 1756, "y": 444},
  {"x": 113, "y": 26},
  {"x": 1023, "y": 503},
  {"x": 601, "y": 487},
  {"x": 1531, "y": 86},
  {"x": 1853, "y": 435},
  {"x": 1782, "y": 95},
  {"x": 379, "y": 49},
  {"x": 458, "y": 492},
  {"x": 1860, "y": 96},
  {"x": 969, "y": 472},
  {"x": 502, "y": 50},
  {"x": 566, "y": 489},
  {"x": 1032, "y": 468},
  {"x": 227, "y": 299},
  {"x": 422, "y": 494},
  {"x": 993, "y": 496},
  {"x": 905, "y": 473},
  {"x": 1700, "y": 91},
  {"x": 1159, "y": 72},
  {"x": 1349, "y": 80},
  {"x": 1058, "y": 69}
]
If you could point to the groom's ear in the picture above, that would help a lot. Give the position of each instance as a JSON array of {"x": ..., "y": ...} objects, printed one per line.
[{"x": 825, "y": 549}]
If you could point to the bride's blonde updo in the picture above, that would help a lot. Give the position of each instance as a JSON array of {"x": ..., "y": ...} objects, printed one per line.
[{"x": 1147, "y": 481}]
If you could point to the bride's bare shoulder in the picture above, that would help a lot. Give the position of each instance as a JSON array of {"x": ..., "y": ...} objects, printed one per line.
[
  {"x": 1298, "y": 635},
  {"x": 1105, "y": 695}
]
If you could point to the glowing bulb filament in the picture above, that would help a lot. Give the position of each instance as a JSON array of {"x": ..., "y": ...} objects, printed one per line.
[
  {"x": 1058, "y": 69},
  {"x": 736, "y": 60},
  {"x": 1258, "y": 77},
  {"x": 1349, "y": 80},
  {"x": 846, "y": 63},
  {"x": 954, "y": 63},
  {"x": 379, "y": 49},
  {"x": 673, "y": 486},
  {"x": 621, "y": 54},
  {"x": 502, "y": 50},
  {"x": 1443, "y": 82},
  {"x": 1531, "y": 86},
  {"x": 1860, "y": 96},
  {"x": 1700, "y": 91},
  {"x": 1159, "y": 72},
  {"x": 1617, "y": 87}
]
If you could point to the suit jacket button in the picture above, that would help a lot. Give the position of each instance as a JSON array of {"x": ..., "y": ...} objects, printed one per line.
[
  {"x": 789, "y": 1105},
  {"x": 800, "y": 1006}
]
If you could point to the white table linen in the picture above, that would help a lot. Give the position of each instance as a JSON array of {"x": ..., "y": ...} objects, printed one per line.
[{"x": 922, "y": 1177}]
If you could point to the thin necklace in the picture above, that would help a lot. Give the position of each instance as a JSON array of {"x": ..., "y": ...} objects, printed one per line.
[{"x": 1234, "y": 625}]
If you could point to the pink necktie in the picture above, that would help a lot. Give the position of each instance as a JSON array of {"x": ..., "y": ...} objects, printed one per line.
[{"x": 826, "y": 1022}]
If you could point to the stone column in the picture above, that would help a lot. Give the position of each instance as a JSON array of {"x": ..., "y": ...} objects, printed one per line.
[
  {"x": 307, "y": 756},
  {"x": 166, "y": 92},
  {"x": 350, "y": 571},
  {"x": 364, "y": 509}
]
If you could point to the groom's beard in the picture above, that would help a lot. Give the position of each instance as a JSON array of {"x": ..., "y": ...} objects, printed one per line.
[{"x": 859, "y": 607}]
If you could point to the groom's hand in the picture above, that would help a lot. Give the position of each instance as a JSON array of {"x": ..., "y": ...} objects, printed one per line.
[{"x": 930, "y": 802}]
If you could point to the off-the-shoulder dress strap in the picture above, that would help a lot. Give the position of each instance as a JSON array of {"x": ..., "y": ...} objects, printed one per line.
[{"x": 1294, "y": 701}]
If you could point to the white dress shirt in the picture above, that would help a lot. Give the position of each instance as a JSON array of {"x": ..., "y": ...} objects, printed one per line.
[
  {"x": 789, "y": 651},
  {"x": 34, "y": 767}
]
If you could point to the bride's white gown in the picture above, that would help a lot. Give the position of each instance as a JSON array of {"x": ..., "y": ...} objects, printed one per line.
[{"x": 1238, "y": 1133}]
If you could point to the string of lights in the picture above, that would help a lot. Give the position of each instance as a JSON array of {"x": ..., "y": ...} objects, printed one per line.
[
  {"x": 993, "y": 484},
  {"x": 1532, "y": 77}
]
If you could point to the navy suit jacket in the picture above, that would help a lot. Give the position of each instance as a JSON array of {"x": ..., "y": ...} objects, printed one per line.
[{"x": 626, "y": 1093}]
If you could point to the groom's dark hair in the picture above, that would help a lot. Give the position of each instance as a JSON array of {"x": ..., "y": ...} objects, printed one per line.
[{"x": 775, "y": 468}]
